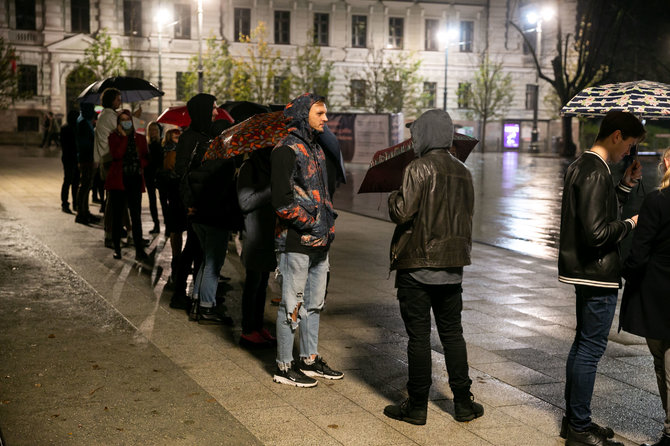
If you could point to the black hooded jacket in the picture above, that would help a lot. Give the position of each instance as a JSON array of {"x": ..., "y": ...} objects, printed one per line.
[
  {"x": 68, "y": 139},
  {"x": 200, "y": 110}
]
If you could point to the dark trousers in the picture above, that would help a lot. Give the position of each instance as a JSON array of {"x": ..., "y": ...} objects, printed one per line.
[
  {"x": 86, "y": 170},
  {"x": 151, "y": 193},
  {"x": 253, "y": 300},
  {"x": 595, "y": 311},
  {"x": 416, "y": 300},
  {"x": 70, "y": 181},
  {"x": 190, "y": 255},
  {"x": 132, "y": 197}
]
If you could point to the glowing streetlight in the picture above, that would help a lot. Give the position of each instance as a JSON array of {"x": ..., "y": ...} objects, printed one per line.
[
  {"x": 536, "y": 18},
  {"x": 163, "y": 17},
  {"x": 446, "y": 36}
]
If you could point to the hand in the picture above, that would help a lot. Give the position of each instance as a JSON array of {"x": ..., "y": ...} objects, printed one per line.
[
  {"x": 191, "y": 211},
  {"x": 634, "y": 218},
  {"x": 633, "y": 173}
]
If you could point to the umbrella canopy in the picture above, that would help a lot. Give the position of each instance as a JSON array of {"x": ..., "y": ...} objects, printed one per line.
[
  {"x": 133, "y": 89},
  {"x": 645, "y": 99},
  {"x": 259, "y": 131},
  {"x": 241, "y": 110},
  {"x": 179, "y": 116},
  {"x": 387, "y": 166}
]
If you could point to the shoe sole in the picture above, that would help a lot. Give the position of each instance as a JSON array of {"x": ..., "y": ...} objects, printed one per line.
[
  {"x": 282, "y": 380},
  {"x": 406, "y": 420},
  {"x": 313, "y": 374},
  {"x": 469, "y": 417}
]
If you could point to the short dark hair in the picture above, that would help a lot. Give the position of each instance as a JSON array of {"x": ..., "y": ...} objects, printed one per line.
[
  {"x": 107, "y": 97},
  {"x": 624, "y": 121}
]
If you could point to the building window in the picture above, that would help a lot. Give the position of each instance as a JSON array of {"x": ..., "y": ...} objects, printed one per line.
[
  {"x": 359, "y": 31},
  {"x": 28, "y": 79},
  {"x": 25, "y": 14},
  {"x": 81, "y": 13},
  {"x": 28, "y": 124},
  {"x": 181, "y": 86},
  {"x": 132, "y": 17},
  {"x": 396, "y": 31},
  {"x": 282, "y": 27},
  {"x": 429, "y": 92},
  {"x": 464, "y": 92},
  {"x": 432, "y": 26},
  {"x": 467, "y": 34},
  {"x": 531, "y": 91},
  {"x": 357, "y": 98},
  {"x": 532, "y": 38},
  {"x": 321, "y": 29},
  {"x": 182, "y": 15},
  {"x": 242, "y": 23}
]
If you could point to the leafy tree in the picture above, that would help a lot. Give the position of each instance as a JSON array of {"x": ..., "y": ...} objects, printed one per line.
[
  {"x": 102, "y": 59},
  {"x": 311, "y": 73},
  {"x": 255, "y": 76},
  {"x": 585, "y": 58},
  {"x": 489, "y": 95},
  {"x": 9, "y": 80},
  {"x": 392, "y": 85},
  {"x": 80, "y": 78},
  {"x": 218, "y": 72}
]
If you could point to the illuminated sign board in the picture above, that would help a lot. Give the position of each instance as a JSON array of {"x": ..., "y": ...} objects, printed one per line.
[{"x": 511, "y": 135}]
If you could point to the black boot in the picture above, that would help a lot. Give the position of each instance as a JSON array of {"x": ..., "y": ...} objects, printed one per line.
[
  {"x": 664, "y": 441},
  {"x": 408, "y": 411},
  {"x": 606, "y": 432},
  {"x": 589, "y": 437},
  {"x": 209, "y": 316},
  {"x": 465, "y": 408}
]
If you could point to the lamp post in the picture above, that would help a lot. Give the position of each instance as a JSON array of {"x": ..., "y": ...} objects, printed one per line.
[
  {"x": 200, "y": 46},
  {"x": 446, "y": 36},
  {"x": 163, "y": 16},
  {"x": 534, "y": 18}
]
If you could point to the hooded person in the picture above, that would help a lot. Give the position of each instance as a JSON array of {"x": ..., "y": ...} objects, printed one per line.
[
  {"x": 68, "y": 144},
  {"x": 305, "y": 228},
  {"x": 431, "y": 245},
  {"x": 85, "y": 137}
]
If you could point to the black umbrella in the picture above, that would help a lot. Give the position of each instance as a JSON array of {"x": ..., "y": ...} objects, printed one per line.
[
  {"x": 243, "y": 110},
  {"x": 133, "y": 89}
]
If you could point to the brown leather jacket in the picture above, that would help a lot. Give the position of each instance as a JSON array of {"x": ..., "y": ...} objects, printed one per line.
[{"x": 433, "y": 212}]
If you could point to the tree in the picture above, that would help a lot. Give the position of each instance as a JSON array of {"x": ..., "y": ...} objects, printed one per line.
[
  {"x": 311, "y": 73},
  {"x": 391, "y": 85},
  {"x": 102, "y": 59},
  {"x": 489, "y": 96},
  {"x": 582, "y": 59},
  {"x": 9, "y": 79},
  {"x": 218, "y": 72}
]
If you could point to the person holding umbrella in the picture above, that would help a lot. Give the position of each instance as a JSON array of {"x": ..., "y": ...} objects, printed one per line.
[
  {"x": 589, "y": 259},
  {"x": 645, "y": 306},
  {"x": 125, "y": 181}
]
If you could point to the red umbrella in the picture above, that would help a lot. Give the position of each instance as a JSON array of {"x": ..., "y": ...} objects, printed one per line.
[
  {"x": 179, "y": 116},
  {"x": 387, "y": 166},
  {"x": 263, "y": 130}
]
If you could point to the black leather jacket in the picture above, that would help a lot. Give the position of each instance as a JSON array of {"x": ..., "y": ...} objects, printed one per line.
[
  {"x": 591, "y": 228},
  {"x": 433, "y": 212}
]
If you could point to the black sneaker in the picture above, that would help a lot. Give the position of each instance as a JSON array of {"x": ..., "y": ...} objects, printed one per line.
[
  {"x": 407, "y": 412},
  {"x": 319, "y": 369},
  {"x": 589, "y": 437},
  {"x": 293, "y": 377},
  {"x": 605, "y": 432},
  {"x": 209, "y": 316},
  {"x": 467, "y": 409}
]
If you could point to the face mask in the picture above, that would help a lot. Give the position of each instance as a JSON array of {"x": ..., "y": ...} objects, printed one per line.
[{"x": 127, "y": 125}]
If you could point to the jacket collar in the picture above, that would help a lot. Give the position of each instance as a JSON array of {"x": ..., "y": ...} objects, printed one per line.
[{"x": 601, "y": 159}]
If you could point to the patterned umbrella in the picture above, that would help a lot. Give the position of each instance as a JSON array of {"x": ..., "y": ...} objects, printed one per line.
[
  {"x": 645, "y": 99},
  {"x": 259, "y": 131},
  {"x": 387, "y": 166}
]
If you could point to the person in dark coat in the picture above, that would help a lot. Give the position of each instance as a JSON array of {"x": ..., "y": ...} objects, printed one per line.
[
  {"x": 334, "y": 161},
  {"x": 258, "y": 255},
  {"x": 85, "y": 136},
  {"x": 155, "y": 163},
  {"x": 68, "y": 144},
  {"x": 645, "y": 307}
]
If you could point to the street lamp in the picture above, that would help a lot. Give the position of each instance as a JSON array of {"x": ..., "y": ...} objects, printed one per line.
[
  {"x": 199, "y": 46},
  {"x": 163, "y": 16},
  {"x": 533, "y": 18},
  {"x": 446, "y": 36}
]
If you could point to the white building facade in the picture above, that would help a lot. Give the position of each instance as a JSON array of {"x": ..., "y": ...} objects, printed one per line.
[{"x": 50, "y": 36}]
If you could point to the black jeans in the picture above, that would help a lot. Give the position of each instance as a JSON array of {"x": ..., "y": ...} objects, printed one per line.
[
  {"x": 70, "y": 181},
  {"x": 132, "y": 196},
  {"x": 416, "y": 300},
  {"x": 253, "y": 300},
  {"x": 191, "y": 254},
  {"x": 86, "y": 170},
  {"x": 150, "y": 184}
]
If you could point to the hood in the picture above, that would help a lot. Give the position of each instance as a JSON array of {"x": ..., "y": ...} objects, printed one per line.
[
  {"x": 72, "y": 116},
  {"x": 87, "y": 110},
  {"x": 297, "y": 112},
  {"x": 200, "y": 110},
  {"x": 433, "y": 130}
]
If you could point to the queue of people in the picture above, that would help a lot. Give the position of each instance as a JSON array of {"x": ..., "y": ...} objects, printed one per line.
[{"x": 281, "y": 197}]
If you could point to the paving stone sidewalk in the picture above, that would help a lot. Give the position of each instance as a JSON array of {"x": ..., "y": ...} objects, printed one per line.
[{"x": 518, "y": 323}]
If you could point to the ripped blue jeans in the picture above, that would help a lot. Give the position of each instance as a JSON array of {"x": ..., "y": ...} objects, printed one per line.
[{"x": 303, "y": 281}]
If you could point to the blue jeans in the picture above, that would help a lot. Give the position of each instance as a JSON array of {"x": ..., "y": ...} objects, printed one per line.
[
  {"x": 595, "y": 311},
  {"x": 303, "y": 281},
  {"x": 214, "y": 243}
]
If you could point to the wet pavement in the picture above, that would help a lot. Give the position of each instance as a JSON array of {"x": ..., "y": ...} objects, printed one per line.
[{"x": 91, "y": 353}]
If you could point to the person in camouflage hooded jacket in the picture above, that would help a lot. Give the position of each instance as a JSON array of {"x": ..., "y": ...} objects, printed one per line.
[{"x": 305, "y": 228}]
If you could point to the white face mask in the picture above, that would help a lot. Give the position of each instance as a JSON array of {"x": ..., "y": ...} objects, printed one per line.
[{"x": 127, "y": 125}]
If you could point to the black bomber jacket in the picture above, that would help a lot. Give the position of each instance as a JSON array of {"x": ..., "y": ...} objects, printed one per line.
[{"x": 591, "y": 228}]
